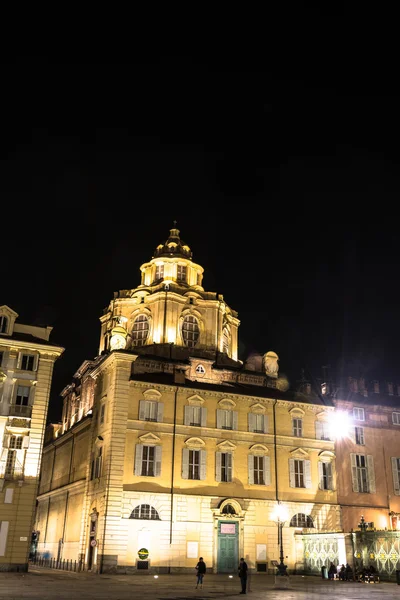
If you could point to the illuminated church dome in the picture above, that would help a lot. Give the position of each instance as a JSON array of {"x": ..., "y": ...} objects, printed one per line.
[{"x": 174, "y": 246}]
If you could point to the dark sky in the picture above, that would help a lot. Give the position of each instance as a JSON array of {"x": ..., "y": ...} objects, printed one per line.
[{"x": 285, "y": 189}]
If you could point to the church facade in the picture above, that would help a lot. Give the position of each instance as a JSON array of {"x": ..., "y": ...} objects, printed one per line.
[{"x": 171, "y": 448}]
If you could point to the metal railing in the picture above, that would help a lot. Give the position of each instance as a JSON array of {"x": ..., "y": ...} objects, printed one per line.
[
  {"x": 11, "y": 472},
  {"x": 19, "y": 410}
]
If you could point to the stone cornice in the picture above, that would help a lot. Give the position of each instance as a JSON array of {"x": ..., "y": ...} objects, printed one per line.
[
  {"x": 75, "y": 487},
  {"x": 42, "y": 348}
]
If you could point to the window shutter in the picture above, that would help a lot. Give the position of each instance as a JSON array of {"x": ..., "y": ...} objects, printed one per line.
[
  {"x": 160, "y": 412},
  {"x": 218, "y": 466},
  {"x": 229, "y": 459},
  {"x": 157, "y": 452},
  {"x": 235, "y": 420},
  {"x": 203, "y": 457},
  {"x": 250, "y": 464},
  {"x": 265, "y": 423},
  {"x": 292, "y": 481},
  {"x": 395, "y": 471},
  {"x": 25, "y": 441},
  {"x": 330, "y": 475},
  {"x": 185, "y": 463},
  {"x": 203, "y": 417},
  {"x": 318, "y": 430},
  {"x": 354, "y": 472},
  {"x": 219, "y": 418},
  {"x": 320, "y": 475},
  {"x": 267, "y": 470},
  {"x": 252, "y": 422},
  {"x": 19, "y": 360},
  {"x": 307, "y": 474},
  {"x": 6, "y": 441},
  {"x": 142, "y": 410},
  {"x": 138, "y": 459},
  {"x": 36, "y": 362},
  {"x": 352, "y": 434},
  {"x": 371, "y": 474},
  {"x": 188, "y": 415}
]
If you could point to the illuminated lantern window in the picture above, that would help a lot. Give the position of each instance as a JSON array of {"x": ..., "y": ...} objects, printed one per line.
[
  {"x": 190, "y": 331},
  {"x": 159, "y": 272},
  {"x": 140, "y": 330}
]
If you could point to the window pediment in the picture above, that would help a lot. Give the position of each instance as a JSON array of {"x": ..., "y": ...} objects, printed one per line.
[
  {"x": 322, "y": 416},
  {"x": 259, "y": 449},
  {"x": 195, "y": 442},
  {"x": 226, "y": 446},
  {"x": 258, "y": 408},
  {"x": 152, "y": 394},
  {"x": 195, "y": 400},
  {"x": 326, "y": 456},
  {"x": 149, "y": 438},
  {"x": 227, "y": 404},
  {"x": 296, "y": 411},
  {"x": 299, "y": 453}
]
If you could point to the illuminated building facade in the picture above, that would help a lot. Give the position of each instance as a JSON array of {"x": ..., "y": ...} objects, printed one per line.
[
  {"x": 171, "y": 448},
  {"x": 26, "y": 367}
]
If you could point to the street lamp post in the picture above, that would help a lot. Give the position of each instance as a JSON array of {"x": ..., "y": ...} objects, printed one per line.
[{"x": 280, "y": 518}]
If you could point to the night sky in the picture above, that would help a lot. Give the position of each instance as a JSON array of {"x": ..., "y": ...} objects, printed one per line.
[{"x": 285, "y": 190}]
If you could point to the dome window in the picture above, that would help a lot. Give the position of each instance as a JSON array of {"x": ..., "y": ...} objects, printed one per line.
[
  {"x": 190, "y": 331},
  {"x": 3, "y": 324},
  {"x": 159, "y": 272},
  {"x": 140, "y": 330},
  {"x": 225, "y": 340},
  {"x": 181, "y": 274}
]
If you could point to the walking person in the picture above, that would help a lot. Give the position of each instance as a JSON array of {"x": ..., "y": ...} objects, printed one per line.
[
  {"x": 242, "y": 572},
  {"x": 201, "y": 571}
]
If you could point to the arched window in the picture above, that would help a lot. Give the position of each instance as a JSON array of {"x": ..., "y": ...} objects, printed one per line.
[
  {"x": 225, "y": 340},
  {"x": 190, "y": 331},
  {"x": 3, "y": 324},
  {"x": 145, "y": 511},
  {"x": 302, "y": 520},
  {"x": 140, "y": 330},
  {"x": 228, "y": 510}
]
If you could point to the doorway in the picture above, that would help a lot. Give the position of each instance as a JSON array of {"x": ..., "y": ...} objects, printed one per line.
[{"x": 228, "y": 546}]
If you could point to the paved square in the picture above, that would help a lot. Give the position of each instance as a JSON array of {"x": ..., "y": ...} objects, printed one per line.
[{"x": 47, "y": 584}]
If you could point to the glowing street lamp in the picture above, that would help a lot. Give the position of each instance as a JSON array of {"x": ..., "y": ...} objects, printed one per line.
[
  {"x": 280, "y": 516},
  {"x": 339, "y": 425}
]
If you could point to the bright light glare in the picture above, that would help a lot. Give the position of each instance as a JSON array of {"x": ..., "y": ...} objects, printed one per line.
[
  {"x": 230, "y": 576},
  {"x": 155, "y": 576},
  {"x": 339, "y": 425},
  {"x": 280, "y": 513}
]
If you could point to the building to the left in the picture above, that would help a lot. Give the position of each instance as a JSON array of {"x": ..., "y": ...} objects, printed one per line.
[{"x": 27, "y": 359}]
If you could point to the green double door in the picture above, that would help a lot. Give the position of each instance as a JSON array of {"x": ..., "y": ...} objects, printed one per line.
[{"x": 228, "y": 543}]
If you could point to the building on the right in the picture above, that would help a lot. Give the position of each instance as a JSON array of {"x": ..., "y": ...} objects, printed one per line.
[{"x": 367, "y": 434}]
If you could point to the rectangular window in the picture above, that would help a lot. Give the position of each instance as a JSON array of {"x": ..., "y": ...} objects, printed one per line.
[
  {"x": 297, "y": 427},
  {"x": 226, "y": 466},
  {"x": 102, "y": 413},
  {"x": 195, "y": 416},
  {"x": 396, "y": 475},
  {"x": 181, "y": 273},
  {"x": 198, "y": 278},
  {"x": 148, "y": 461},
  {"x": 98, "y": 463},
  {"x": 326, "y": 476},
  {"x": 159, "y": 272},
  {"x": 359, "y": 431},
  {"x": 362, "y": 473},
  {"x": 22, "y": 397},
  {"x": 27, "y": 362},
  {"x": 323, "y": 430},
  {"x": 259, "y": 423},
  {"x": 1, "y": 358},
  {"x": 299, "y": 473},
  {"x": 258, "y": 470},
  {"x": 358, "y": 414},
  {"x": 227, "y": 419},
  {"x": 194, "y": 464},
  {"x": 150, "y": 411},
  {"x": 396, "y": 418}
]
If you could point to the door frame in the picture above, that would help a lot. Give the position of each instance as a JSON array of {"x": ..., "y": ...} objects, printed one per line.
[{"x": 239, "y": 518}]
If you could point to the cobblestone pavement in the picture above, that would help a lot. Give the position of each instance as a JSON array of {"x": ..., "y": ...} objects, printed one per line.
[{"x": 48, "y": 584}]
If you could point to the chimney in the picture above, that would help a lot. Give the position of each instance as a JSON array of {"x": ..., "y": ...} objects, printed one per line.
[
  {"x": 376, "y": 387},
  {"x": 308, "y": 388},
  {"x": 179, "y": 376},
  {"x": 390, "y": 388}
]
